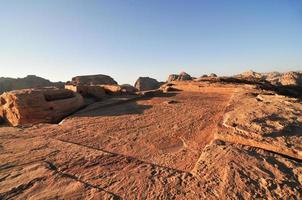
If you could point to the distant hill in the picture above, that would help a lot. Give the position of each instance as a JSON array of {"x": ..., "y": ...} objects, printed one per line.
[{"x": 30, "y": 81}]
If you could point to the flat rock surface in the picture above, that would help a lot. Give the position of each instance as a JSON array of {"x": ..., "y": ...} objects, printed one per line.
[
  {"x": 264, "y": 120},
  {"x": 149, "y": 148}
]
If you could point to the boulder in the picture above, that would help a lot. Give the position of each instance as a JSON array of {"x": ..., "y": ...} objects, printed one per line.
[
  {"x": 98, "y": 79},
  {"x": 183, "y": 76},
  {"x": 146, "y": 83},
  {"x": 32, "y": 106},
  {"x": 291, "y": 78},
  {"x": 112, "y": 89},
  {"x": 95, "y": 91},
  {"x": 212, "y": 75},
  {"x": 173, "y": 77},
  {"x": 129, "y": 89},
  {"x": 252, "y": 74}
]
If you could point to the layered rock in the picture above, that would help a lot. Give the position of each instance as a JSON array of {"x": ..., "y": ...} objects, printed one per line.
[
  {"x": 146, "y": 83},
  {"x": 31, "y": 106},
  {"x": 98, "y": 79},
  {"x": 264, "y": 120}
]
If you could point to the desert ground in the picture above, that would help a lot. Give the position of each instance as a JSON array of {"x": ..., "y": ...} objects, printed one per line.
[{"x": 195, "y": 140}]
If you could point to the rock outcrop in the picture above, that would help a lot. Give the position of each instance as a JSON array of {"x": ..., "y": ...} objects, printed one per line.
[
  {"x": 173, "y": 77},
  {"x": 212, "y": 75},
  {"x": 146, "y": 83},
  {"x": 95, "y": 91},
  {"x": 128, "y": 89},
  {"x": 32, "y": 106},
  {"x": 183, "y": 76},
  {"x": 30, "y": 81},
  {"x": 98, "y": 79},
  {"x": 291, "y": 78}
]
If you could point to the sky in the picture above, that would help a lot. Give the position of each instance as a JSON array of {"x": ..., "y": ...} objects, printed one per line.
[{"x": 59, "y": 39}]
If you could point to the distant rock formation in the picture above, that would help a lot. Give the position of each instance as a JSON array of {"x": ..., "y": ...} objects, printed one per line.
[
  {"x": 172, "y": 77},
  {"x": 183, "y": 76},
  {"x": 129, "y": 89},
  {"x": 146, "y": 83},
  {"x": 98, "y": 79},
  {"x": 212, "y": 75},
  {"x": 32, "y": 106},
  {"x": 30, "y": 81},
  {"x": 291, "y": 78}
]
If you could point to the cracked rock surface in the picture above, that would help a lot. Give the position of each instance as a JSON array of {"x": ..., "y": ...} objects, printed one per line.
[{"x": 197, "y": 148}]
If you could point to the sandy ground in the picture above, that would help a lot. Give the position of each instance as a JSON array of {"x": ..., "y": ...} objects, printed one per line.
[{"x": 152, "y": 148}]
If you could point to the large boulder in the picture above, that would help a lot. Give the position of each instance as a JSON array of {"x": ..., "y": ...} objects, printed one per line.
[
  {"x": 128, "y": 89},
  {"x": 183, "y": 76},
  {"x": 291, "y": 78},
  {"x": 32, "y": 106},
  {"x": 98, "y": 79},
  {"x": 173, "y": 77},
  {"x": 146, "y": 83},
  {"x": 212, "y": 75}
]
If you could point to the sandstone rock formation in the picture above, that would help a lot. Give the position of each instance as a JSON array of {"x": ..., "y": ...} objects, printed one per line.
[
  {"x": 265, "y": 120},
  {"x": 221, "y": 138},
  {"x": 128, "y": 89},
  {"x": 112, "y": 89},
  {"x": 95, "y": 91},
  {"x": 291, "y": 78},
  {"x": 212, "y": 75},
  {"x": 173, "y": 77},
  {"x": 32, "y": 106},
  {"x": 146, "y": 83},
  {"x": 30, "y": 81},
  {"x": 98, "y": 79},
  {"x": 183, "y": 76}
]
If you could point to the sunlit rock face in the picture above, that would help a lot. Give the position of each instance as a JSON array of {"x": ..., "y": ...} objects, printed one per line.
[{"x": 32, "y": 106}]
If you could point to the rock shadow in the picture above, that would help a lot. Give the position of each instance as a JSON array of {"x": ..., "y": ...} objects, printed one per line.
[{"x": 123, "y": 107}]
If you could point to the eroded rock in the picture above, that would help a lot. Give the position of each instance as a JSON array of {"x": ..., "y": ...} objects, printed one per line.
[
  {"x": 32, "y": 106},
  {"x": 146, "y": 83},
  {"x": 98, "y": 79}
]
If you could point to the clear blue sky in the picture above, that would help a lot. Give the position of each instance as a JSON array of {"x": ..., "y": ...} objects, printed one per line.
[{"x": 58, "y": 39}]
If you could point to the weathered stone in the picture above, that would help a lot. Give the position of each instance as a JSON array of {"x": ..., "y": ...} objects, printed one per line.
[
  {"x": 146, "y": 83},
  {"x": 183, "y": 76},
  {"x": 172, "y": 77},
  {"x": 112, "y": 89},
  {"x": 88, "y": 90},
  {"x": 31, "y": 106},
  {"x": 98, "y": 79},
  {"x": 128, "y": 89},
  {"x": 212, "y": 75},
  {"x": 30, "y": 81},
  {"x": 291, "y": 78}
]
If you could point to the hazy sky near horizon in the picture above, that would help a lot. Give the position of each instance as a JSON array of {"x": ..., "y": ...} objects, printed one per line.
[{"x": 59, "y": 39}]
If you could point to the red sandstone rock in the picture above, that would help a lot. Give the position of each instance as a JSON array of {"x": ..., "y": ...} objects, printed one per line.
[
  {"x": 31, "y": 106},
  {"x": 98, "y": 79},
  {"x": 88, "y": 90}
]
